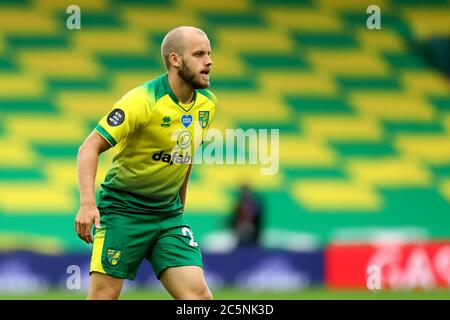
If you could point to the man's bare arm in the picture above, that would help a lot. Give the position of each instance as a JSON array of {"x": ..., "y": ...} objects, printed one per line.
[
  {"x": 184, "y": 186},
  {"x": 87, "y": 162}
]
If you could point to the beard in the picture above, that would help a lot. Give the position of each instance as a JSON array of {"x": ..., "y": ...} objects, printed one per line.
[{"x": 189, "y": 77}]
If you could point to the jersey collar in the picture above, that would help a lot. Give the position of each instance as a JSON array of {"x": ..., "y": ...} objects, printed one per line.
[{"x": 173, "y": 96}]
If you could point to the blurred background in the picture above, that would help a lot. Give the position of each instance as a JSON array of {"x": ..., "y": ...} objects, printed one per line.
[{"x": 364, "y": 120}]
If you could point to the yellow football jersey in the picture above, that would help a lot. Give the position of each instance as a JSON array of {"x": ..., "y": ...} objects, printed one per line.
[{"x": 154, "y": 134}]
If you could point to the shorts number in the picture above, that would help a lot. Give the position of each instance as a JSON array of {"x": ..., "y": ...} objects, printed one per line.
[{"x": 187, "y": 231}]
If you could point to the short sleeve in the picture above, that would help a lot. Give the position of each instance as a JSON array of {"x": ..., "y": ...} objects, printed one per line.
[{"x": 129, "y": 114}]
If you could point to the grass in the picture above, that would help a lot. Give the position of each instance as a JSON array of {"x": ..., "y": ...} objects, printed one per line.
[{"x": 236, "y": 294}]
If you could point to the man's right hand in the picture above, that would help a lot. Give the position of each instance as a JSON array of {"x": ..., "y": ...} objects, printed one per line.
[{"x": 87, "y": 215}]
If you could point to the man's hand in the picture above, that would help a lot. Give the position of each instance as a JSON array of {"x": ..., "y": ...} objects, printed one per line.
[
  {"x": 83, "y": 222},
  {"x": 87, "y": 161}
]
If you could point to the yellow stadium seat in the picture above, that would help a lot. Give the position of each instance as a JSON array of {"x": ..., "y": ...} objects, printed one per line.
[
  {"x": 40, "y": 198},
  {"x": 62, "y": 5},
  {"x": 425, "y": 82},
  {"x": 48, "y": 129},
  {"x": 29, "y": 22},
  {"x": 386, "y": 41},
  {"x": 426, "y": 22},
  {"x": 232, "y": 175},
  {"x": 21, "y": 85},
  {"x": 215, "y": 6},
  {"x": 228, "y": 64},
  {"x": 215, "y": 201},
  {"x": 297, "y": 82},
  {"x": 393, "y": 106},
  {"x": 112, "y": 41},
  {"x": 305, "y": 152},
  {"x": 64, "y": 172},
  {"x": 253, "y": 106},
  {"x": 359, "y": 6},
  {"x": 58, "y": 62},
  {"x": 341, "y": 128},
  {"x": 446, "y": 121},
  {"x": 304, "y": 19},
  {"x": 158, "y": 19},
  {"x": 86, "y": 105},
  {"x": 348, "y": 62},
  {"x": 124, "y": 81},
  {"x": 16, "y": 153},
  {"x": 431, "y": 148},
  {"x": 336, "y": 195},
  {"x": 388, "y": 172},
  {"x": 10, "y": 241},
  {"x": 257, "y": 40}
]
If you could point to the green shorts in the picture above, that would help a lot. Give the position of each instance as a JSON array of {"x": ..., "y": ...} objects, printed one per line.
[{"x": 125, "y": 239}]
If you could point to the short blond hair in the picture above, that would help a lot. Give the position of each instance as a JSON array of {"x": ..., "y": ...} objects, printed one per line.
[{"x": 175, "y": 41}]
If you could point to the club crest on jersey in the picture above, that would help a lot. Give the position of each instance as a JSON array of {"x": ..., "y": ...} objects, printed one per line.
[
  {"x": 165, "y": 122},
  {"x": 113, "y": 256},
  {"x": 186, "y": 120},
  {"x": 203, "y": 117}
]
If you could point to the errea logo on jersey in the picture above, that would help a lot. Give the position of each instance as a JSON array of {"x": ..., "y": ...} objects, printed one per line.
[
  {"x": 166, "y": 122},
  {"x": 172, "y": 158}
]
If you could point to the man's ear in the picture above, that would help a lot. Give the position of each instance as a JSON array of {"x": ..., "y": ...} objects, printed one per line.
[{"x": 174, "y": 60}]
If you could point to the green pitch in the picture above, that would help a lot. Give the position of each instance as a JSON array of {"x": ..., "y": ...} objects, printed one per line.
[{"x": 231, "y": 294}]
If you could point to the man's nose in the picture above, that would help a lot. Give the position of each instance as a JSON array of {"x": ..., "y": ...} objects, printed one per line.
[{"x": 208, "y": 61}]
